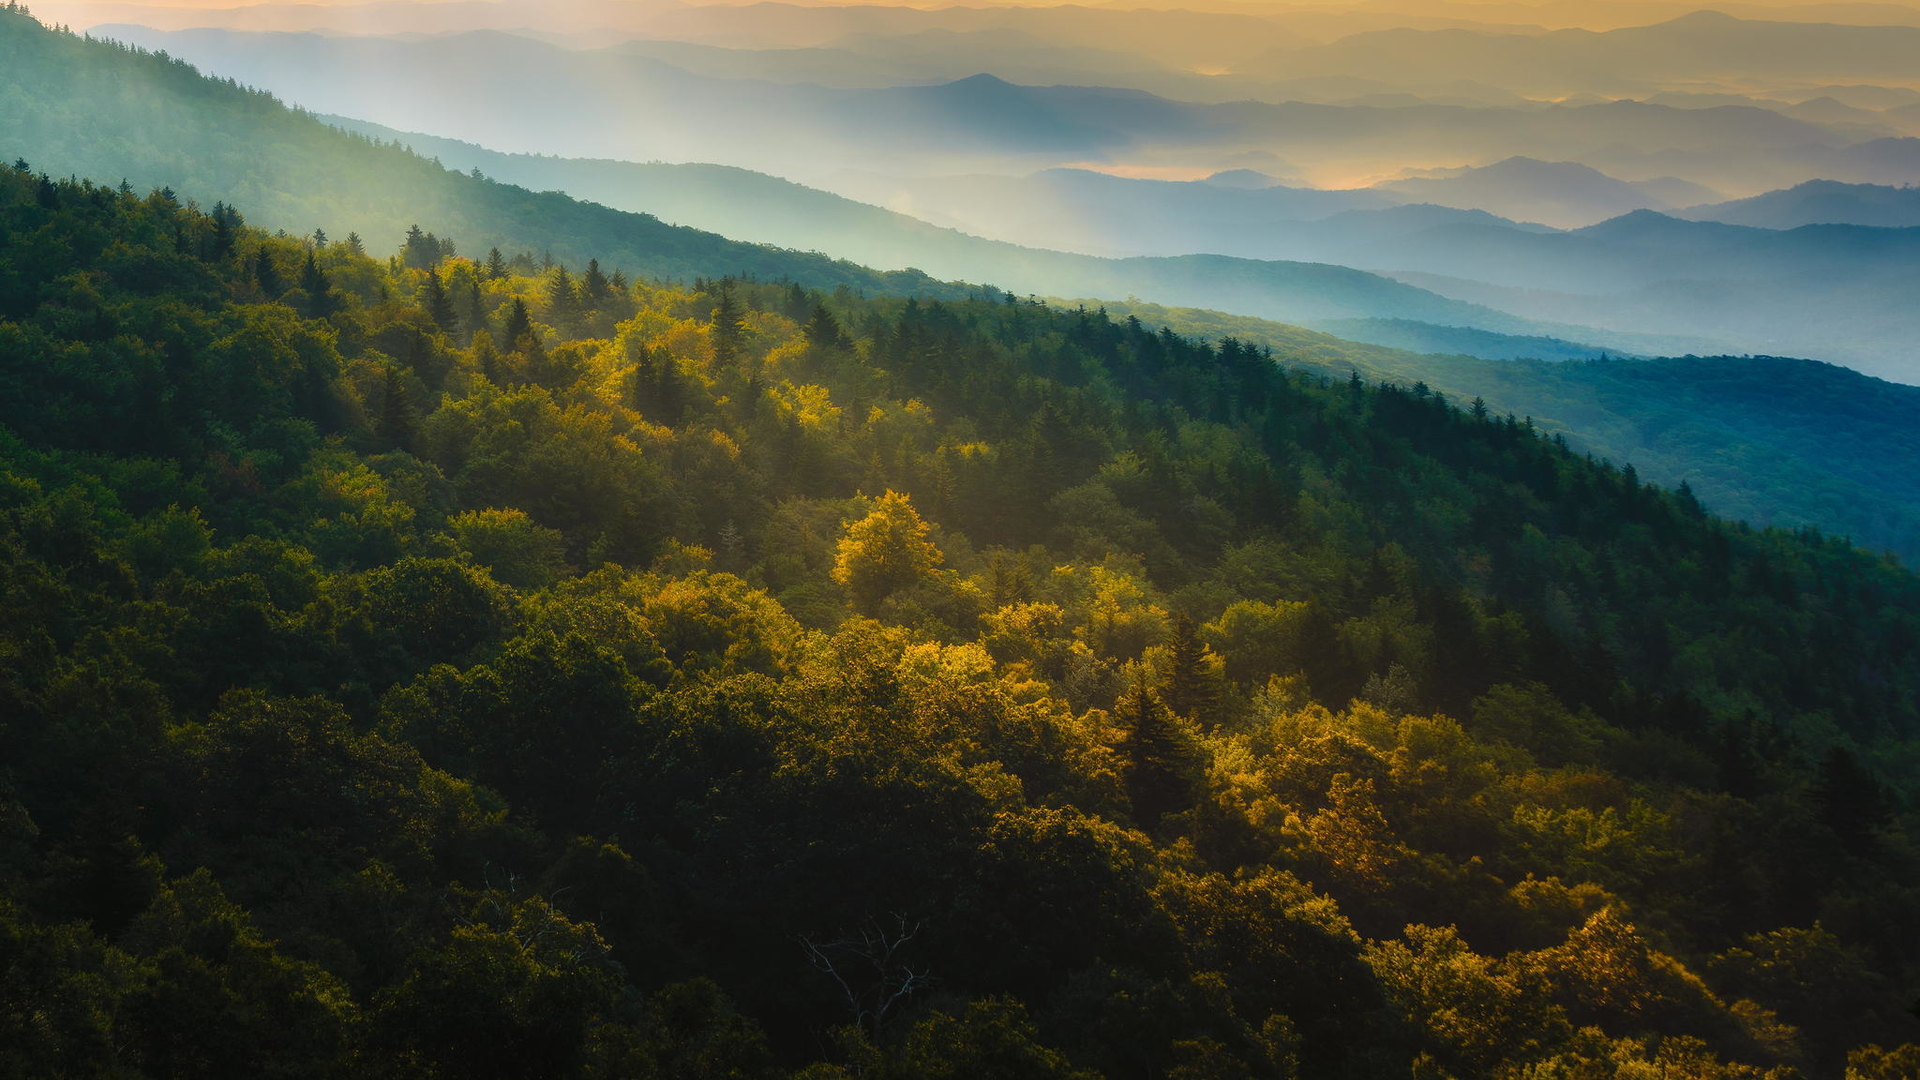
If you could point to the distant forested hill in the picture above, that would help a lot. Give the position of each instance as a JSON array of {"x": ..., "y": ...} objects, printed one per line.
[
  {"x": 1770, "y": 440},
  {"x": 101, "y": 111}
]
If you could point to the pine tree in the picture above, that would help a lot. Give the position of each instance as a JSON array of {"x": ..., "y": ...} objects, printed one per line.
[
  {"x": 594, "y": 285},
  {"x": 496, "y": 267},
  {"x": 226, "y": 227},
  {"x": 563, "y": 300},
  {"x": 1156, "y": 757},
  {"x": 474, "y": 317},
  {"x": 1189, "y": 688},
  {"x": 519, "y": 325},
  {"x": 823, "y": 330},
  {"x": 669, "y": 395},
  {"x": 412, "y": 248},
  {"x": 438, "y": 305},
  {"x": 266, "y": 275},
  {"x": 398, "y": 415},
  {"x": 485, "y": 356},
  {"x": 729, "y": 331},
  {"x": 355, "y": 246},
  {"x": 313, "y": 281},
  {"x": 799, "y": 304}
]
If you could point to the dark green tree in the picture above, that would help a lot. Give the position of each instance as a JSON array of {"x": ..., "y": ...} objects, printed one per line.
[
  {"x": 729, "y": 327},
  {"x": 473, "y": 314},
  {"x": 421, "y": 251},
  {"x": 519, "y": 325},
  {"x": 563, "y": 299},
  {"x": 1851, "y": 799},
  {"x": 266, "y": 276},
  {"x": 321, "y": 301},
  {"x": 823, "y": 330},
  {"x": 438, "y": 305},
  {"x": 1189, "y": 688},
  {"x": 594, "y": 287},
  {"x": 399, "y": 416},
  {"x": 1157, "y": 760}
]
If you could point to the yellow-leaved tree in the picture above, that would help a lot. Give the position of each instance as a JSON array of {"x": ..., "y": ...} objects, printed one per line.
[{"x": 884, "y": 552}]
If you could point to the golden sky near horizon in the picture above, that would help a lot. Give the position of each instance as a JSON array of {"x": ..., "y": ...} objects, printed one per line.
[
  {"x": 1320, "y": 20},
  {"x": 1409, "y": 6}
]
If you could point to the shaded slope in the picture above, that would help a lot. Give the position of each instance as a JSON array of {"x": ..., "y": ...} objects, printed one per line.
[{"x": 1770, "y": 440}]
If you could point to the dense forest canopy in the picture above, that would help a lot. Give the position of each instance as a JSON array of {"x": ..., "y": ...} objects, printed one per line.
[
  {"x": 95, "y": 109},
  {"x": 427, "y": 665},
  {"x": 1764, "y": 439}
]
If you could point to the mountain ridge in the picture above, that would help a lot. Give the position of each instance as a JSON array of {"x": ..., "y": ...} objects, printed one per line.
[{"x": 47, "y": 112}]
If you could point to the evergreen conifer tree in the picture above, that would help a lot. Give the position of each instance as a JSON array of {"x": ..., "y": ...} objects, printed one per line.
[
  {"x": 563, "y": 299},
  {"x": 1155, "y": 756},
  {"x": 823, "y": 330},
  {"x": 398, "y": 415},
  {"x": 594, "y": 285},
  {"x": 1189, "y": 689},
  {"x": 266, "y": 275},
  {"x": 729, "y": 331},
  {"x": 438, "y": 304},
  {"x": 473, "y": 310},
  {"x": 313, "y": 281},
  {"x": 226, "y": 226},
  {"x": 415, "y": 253},
  {"x": 519, "y": 325}
]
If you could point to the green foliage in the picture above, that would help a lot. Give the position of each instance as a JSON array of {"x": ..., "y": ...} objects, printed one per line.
[
  {"x": 1772, "y": 441},
  {"x": 379, "y": 700}
]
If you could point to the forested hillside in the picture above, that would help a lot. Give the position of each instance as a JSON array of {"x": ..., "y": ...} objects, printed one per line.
[
  {"x": 423, "y": 666},
  {"x": 1763, "y": 439}
]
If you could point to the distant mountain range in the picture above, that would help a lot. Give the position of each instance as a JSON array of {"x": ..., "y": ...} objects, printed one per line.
[
  {"x": 1838, "y": 291},
  {"x": 95, "y": 109},
  {"x": 1820, "y": 202},
  {"x": 610, "y": 102},
  {"x": 1559, "y": 193}
]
